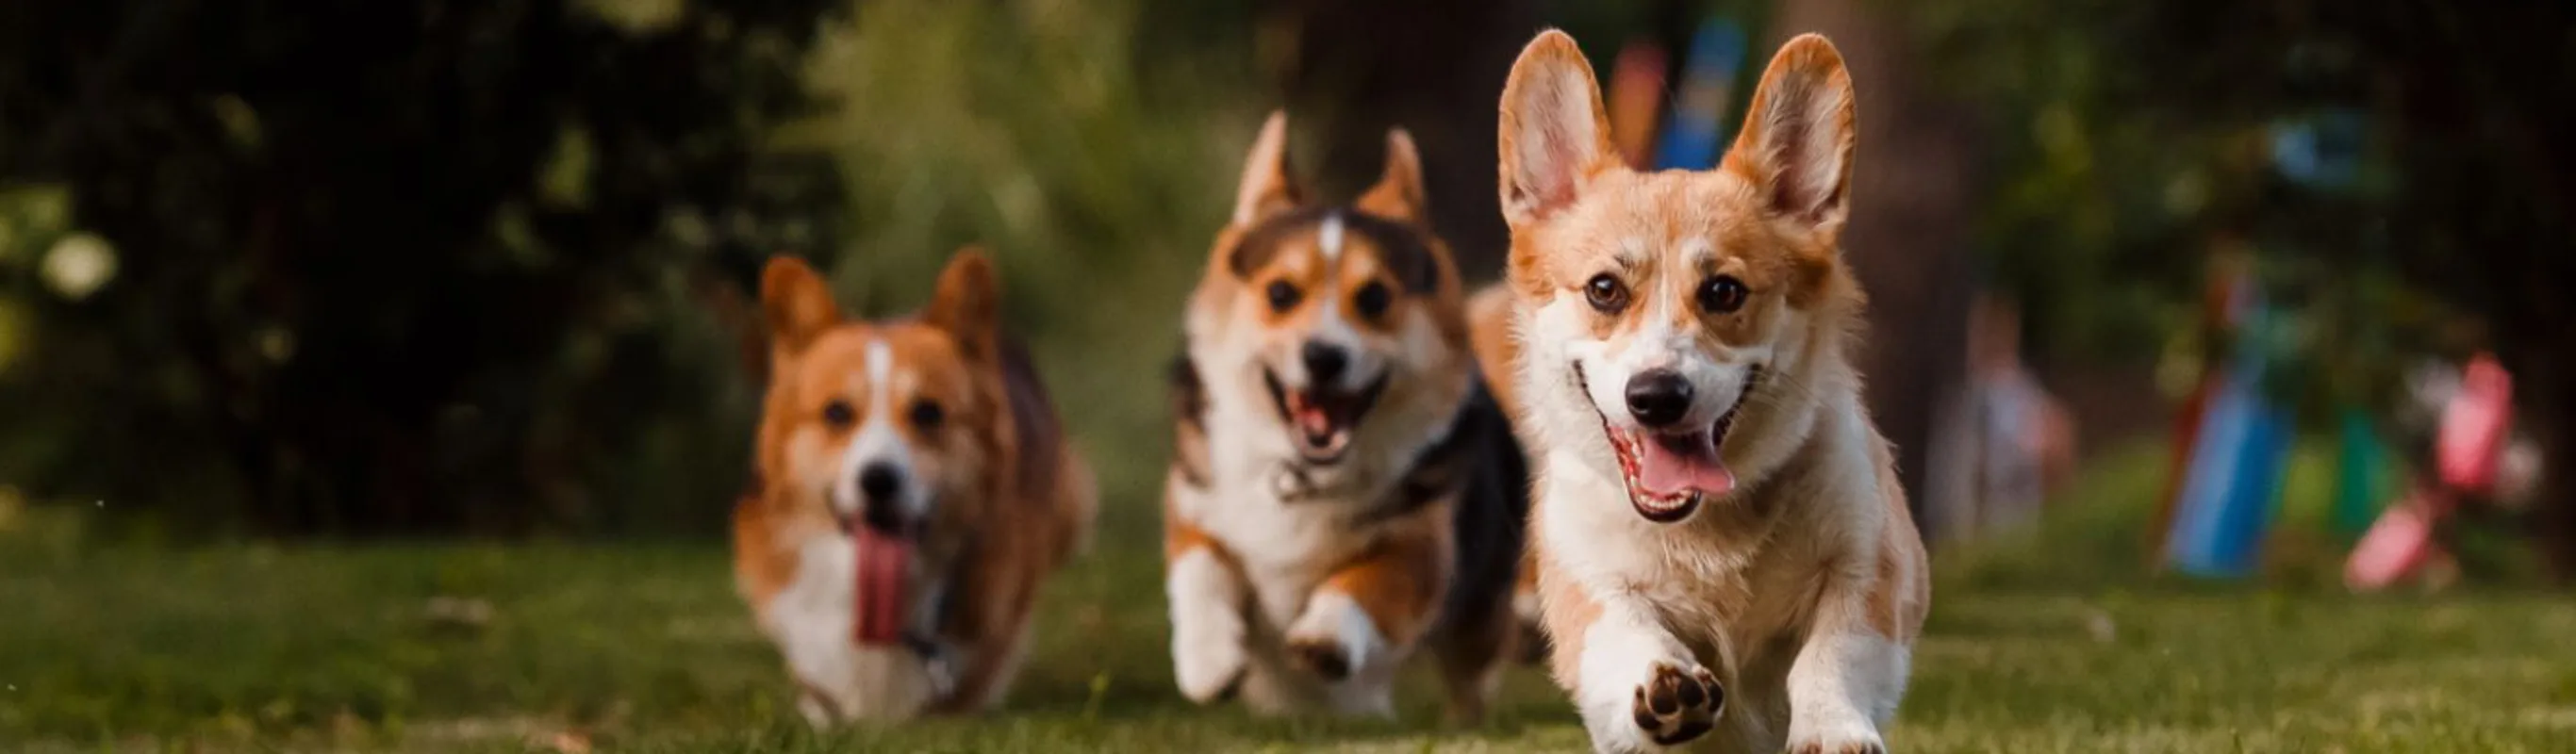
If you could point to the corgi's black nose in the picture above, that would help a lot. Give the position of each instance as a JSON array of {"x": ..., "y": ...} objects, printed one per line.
[
  {"x": 1325, "y": 362},
  {"x": 880, "y": 490},
  {"x": 1658, "y": 398}
]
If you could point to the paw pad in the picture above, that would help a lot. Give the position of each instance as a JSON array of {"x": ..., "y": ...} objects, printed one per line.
[{"x": 1678, "y": 705}]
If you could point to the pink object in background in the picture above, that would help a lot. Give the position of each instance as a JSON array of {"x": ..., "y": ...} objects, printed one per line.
[
  {"x": 2468, "y": 449},
  {"x": 2400, "y": 542},
  {"x": 2473, "y": 426}
]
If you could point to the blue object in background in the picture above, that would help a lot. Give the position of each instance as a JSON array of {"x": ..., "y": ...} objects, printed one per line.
[
  {"x": 1694, "y": 129},
  {"x": 2323, "y": 150},
  {"x": 2234, "y": 479}
]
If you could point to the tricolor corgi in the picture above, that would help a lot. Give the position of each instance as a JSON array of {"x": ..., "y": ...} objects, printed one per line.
[
  {"x": 912, "y": 488},
  {"x": 1343, "y": 490},
  {"x": 1723, "y": 554}
]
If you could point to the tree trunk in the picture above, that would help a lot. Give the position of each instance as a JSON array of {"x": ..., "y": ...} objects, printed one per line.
[
  {"x": 1910, "y": 222},
  {"x": 1350, "y": 69}
]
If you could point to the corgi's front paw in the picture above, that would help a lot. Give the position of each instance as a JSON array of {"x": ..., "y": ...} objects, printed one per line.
[
  {"x": 1334, "y": 638},
  {"x": 1675, "y": 705},
  {"x": 1849, "y": 735},
  {"x": 1207, "y": 657},
  {"x": 1868, "y": 746}
]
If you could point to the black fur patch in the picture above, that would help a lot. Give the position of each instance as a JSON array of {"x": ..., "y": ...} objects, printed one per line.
[
  {"x": 1405, "y": 250},
  {"x": 1481, "y": 466},
  {"x": 1189, "y": 421},
  {"x": 1041, "y": 433},
  {"x": 1492, "y": 517}
]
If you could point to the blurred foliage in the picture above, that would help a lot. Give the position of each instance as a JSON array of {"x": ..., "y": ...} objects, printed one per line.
[
  {"x": 2381, "y": 162},
  {"x": 426, "y": 267},
  {"x": 377, "y": 267},
  {"x": 1088, "y": 149}
]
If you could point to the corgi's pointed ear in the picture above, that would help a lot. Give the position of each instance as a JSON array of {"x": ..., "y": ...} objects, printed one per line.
[
  {"x": 1398, "y": 194},
  {"x": 1554, "y": 131},
  {"x": 1796, "y": 148},
  {"x": 1266, "y": 189},
  {"x": 797, "y": 304},
  {"x": 968, "y": 304}
]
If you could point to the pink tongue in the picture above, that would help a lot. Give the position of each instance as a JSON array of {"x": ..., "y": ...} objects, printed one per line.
[
  {"x": 1313, "y": 420},
  {"x": 879, "y": 603},
  {"x": 1667, "y": 471}
]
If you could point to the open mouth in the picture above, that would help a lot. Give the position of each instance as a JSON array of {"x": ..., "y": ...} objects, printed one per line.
[
  {"x": 1668, "y": 473},
  {"x": 1322, "y": 420}
]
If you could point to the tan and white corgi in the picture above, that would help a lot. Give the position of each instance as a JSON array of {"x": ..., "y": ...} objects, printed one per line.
[
  {"x": 1343, "y": 489},
  {"x": 1724, "y": 557},
  {"x": 912, "y": 488}
]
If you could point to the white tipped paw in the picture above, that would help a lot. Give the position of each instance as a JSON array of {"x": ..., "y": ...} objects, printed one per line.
[
  {"x": 1207, "y": 661},
  {"x": 1844, "y": 736},
  {"x": 1676, "y": 705},
  {"x": 1870, "y": 745}
]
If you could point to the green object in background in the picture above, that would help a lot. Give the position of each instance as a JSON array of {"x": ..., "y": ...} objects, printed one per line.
[{"x": 2360, "y": 467}]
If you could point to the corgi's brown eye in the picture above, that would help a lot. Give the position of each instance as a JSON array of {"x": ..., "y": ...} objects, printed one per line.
[
  {"x": 1283, "y": 296},
  {"x": 1722, "y": 294},
  {"x": 1372, "y": 299},
  {"x": 927, "y": 415},
  {"x": 1606, "y": 293},
  {"x": 838, "y": 414}
]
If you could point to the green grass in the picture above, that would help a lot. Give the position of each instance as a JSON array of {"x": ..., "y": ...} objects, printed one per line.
[{"x": 2058, "y": 642}]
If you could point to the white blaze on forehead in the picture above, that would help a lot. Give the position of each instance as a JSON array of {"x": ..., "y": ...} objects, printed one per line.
[
  {"x": 1328, "y": 240},
  {"x": 878, "y": 441},
  {"x": 880, "y": 371},
  {"x": 1697, "y": 251}
]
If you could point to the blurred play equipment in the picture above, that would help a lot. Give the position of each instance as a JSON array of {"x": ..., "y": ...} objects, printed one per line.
[
  {"x": 2234, "y": 477},
  {"x": 2471, "y": 460},
  {"x": 1636, "y": 97},
  {"x": 1695, "y": 129},
  {"x": 2236, "y": 455},
  {"x": 2220, "y": 310},
  {"x": 2362, "y": 468}
]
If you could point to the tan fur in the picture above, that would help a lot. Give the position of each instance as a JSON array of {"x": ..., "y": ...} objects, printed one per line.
[
  {"x": 1397, "y": 579},
  {"x": 1025, "y": 515},
  {"x": 1489, "y": 326},
  {"x": 1798, "y": 593}
]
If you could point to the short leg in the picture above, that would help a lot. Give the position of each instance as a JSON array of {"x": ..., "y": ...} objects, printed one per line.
[
  {"x": 1638, "y": 688},
  {"x": 1370, "y": 612},
  {"x": 1207, "y": 602},
  {"x": 1846, "y": 680},
  {"x": 1849, "y": 676}
]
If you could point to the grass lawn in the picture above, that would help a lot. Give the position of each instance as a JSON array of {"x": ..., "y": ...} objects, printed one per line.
[{"x": 2054, "y": 643}]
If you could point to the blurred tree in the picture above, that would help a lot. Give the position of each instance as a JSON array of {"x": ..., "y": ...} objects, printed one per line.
[
  {"x": 388, "y": 267},
  {"x": 1350, "y": 69},
  {"x": 1909, "y": 235},
  {"x": 2379, "y": 154}
]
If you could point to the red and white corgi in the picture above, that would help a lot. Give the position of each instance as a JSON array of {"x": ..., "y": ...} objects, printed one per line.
[
  {"x": 913, "y": 487},
  {"x": 1724, "y": 556},
  {"x": 1343, "y": 490}
]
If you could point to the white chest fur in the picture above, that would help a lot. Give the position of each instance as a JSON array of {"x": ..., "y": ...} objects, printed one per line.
[{"x": 811, "y": 622}]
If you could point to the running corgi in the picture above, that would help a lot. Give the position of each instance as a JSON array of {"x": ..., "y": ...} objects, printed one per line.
[
  {"x": 913, "y": 487},
  {"x": 1343, "y": 490},
  {"x": 1724, "y": 557}
]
